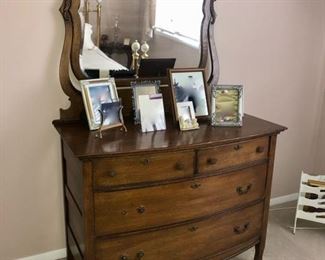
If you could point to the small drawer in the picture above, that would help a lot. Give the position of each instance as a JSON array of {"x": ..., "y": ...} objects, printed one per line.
[
  {"x": 135, "y": 209},
  {"x": 213, "y": 159},
  {"x": 197, "y": 240},
  {"x": 143, "y": 169}
]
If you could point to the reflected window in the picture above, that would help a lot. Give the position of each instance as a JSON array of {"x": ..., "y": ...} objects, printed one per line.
[{"x": 181, "y": 19}]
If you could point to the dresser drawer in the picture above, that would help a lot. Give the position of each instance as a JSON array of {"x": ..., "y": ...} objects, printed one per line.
[
  {"x": 135, "y": 209},
  {"x": 212, "y": 159},
  {"x": 146, "y": 168},
  {"x": 190, "y": 241}
]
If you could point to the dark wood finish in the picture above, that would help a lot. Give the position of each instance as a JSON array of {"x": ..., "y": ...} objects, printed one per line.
[
  {"x": 174, "y": 102},
  {"x": 116, "y": 212},
  {"x": 145, "y": 168},
  {"x": 213, "y": 159},
  {"x": 190, "y": 241},
  {"x": 153, "y": 204},
  {"x": 73, "y": 45}
]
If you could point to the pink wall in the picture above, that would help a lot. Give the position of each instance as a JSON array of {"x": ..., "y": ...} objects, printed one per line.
[{"x": 274, "y": 48}]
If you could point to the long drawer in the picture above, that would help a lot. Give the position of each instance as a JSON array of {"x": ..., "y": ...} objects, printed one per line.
[
  {"x": 189, "y": 241},
  {"x": 138, "y": 169},
  {"x": 216, "y": 158},
  {"x": 135, "y": 209}
]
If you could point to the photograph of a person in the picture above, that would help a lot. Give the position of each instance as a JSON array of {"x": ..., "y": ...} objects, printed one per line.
[
  {"x": 190, "y": 85},
  {"x": 186, "y": 116}
]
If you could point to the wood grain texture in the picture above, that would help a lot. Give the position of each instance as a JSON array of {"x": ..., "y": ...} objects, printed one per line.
[
  {"x": 130, "y": 210},
  {"x": 216, "y": 158},
  {"x": 84, "y": 143},
  {"x": 144, "y": 168},
  {"x": 190, "y": 241}
]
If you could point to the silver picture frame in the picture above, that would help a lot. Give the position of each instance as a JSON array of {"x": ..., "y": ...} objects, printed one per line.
[
  {"x": 227, "y": 105},
  {"x": 142, "y": 88}
]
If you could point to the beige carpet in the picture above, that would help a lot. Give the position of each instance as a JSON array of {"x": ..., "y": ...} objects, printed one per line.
[{"x": 283, "y": 245}]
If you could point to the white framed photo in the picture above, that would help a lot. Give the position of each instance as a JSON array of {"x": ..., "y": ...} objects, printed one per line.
[
  {"x": 101, "y": 103},
  {"x": 142, "y": 88},
  {"x": 152, "y": 113},
  {"x": 186, "y": 116}
]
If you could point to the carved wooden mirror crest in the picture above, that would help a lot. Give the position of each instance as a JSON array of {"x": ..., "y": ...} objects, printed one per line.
[{"x": 72, "y": 65}]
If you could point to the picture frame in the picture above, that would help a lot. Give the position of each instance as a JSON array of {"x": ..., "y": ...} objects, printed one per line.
[
  {"x": 102, "y": 104},
  {"x": 227, "y": 105},
  {"x": 142, "y": 88},
  {"x": 152, "y": 113},
  {"x": 186, "y": 116},
  {"x": 190, "y": 85}
]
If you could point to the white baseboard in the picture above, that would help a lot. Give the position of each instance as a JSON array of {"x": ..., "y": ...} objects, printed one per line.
[
  {"x": 284, "y": 199},
  {"x": 61, "y": 253},
  {"x": 51, "y": 255}
]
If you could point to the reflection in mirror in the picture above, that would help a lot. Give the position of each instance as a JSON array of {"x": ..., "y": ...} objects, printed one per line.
[{"x": 171, "y": 28}]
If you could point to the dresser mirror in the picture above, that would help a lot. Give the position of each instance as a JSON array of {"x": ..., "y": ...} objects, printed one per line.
[
  {"x": 109, "y": 28},
  {"x": 100, "y": 33}
]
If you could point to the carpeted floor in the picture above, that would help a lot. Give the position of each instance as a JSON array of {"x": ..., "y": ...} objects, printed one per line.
[{"x": 283, "y": 245}]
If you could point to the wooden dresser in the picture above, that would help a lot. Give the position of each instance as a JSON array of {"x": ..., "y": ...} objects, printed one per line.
[{"x": 201, "y": 194}]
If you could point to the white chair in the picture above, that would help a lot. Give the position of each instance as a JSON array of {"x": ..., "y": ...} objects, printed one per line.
[{"x": 311, "y": 185}]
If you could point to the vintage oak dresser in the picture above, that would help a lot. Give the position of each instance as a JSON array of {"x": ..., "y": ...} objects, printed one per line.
[
  {"x": 201, "y": 194},
  {"x": 166, "y": 195}
]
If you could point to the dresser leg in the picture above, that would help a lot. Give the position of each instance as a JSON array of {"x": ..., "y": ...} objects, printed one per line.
[{"x": 259, "y": 250}]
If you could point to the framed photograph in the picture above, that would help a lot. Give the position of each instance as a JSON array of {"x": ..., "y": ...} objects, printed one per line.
[
  {"x": 102, "y": 105},
  {"x": 142, "y": 88},
  {"x": 186, "y": 116},
  {"x": 152, "y": 113},
  {"x": 227, "y": 105},
  {"x": 189, "y": 85}
]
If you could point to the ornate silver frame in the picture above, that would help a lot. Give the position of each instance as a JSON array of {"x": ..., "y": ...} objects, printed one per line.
[{"x": 215, "y": 121}]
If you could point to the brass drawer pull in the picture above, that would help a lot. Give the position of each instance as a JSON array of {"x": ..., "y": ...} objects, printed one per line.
[
  {"x": 141, "y": 209},
  {"x": 124, "y": 212},
  {"x": 123, "y": 257},
  {"x": 195, "y": 186},
  {"x": 193, "y": 229},
  {"x": 260, "y": 149},
  {"x": 179, "y": 166},
  {"x": 140, "y": 254},
  {"x": 238, "y": 147},
  {"x": 212, "y": 161},
  {"x": 112, "y": 174},
  {"x": 240, "y": 230},
  {"x": 244, "y": 190},
  {"x": 145, "y": 161}
]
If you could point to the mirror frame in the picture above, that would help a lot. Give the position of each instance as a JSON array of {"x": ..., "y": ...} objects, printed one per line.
[{"x": 73, "y": 43}]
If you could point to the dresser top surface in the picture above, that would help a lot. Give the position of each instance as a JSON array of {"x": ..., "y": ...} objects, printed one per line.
[{"x": 84, "y": 143}]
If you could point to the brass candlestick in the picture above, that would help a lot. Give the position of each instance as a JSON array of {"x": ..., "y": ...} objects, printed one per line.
[
  {"x": 136, "y": 56},
  {"x": 98, "y": 11}
]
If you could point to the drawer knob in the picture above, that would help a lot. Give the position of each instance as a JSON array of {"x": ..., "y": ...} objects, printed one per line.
[
  {"x": 193, "y": 229},
  {"x": 238, "y": 147},
  {"x": 244, "y": 190},
  {"x": 141, "y": 209},
  {"x": 260, "y": 149},
  {"x": 195, "y": 186},
  {"x": 140, "y": 254},
  {"x": 211, "y": 161},
  {"x": 179, "y": 166},
  {"x": 124, "y": 212},
  {"x": 123, "y": 257},
  {"x": 240, "y": 230},
  {"x": 145, "y": 161},
  {"x": 112, "y": 174}
]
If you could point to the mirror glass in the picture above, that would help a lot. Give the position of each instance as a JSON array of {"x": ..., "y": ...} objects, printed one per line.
[{"x": 171, "y": 29}]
